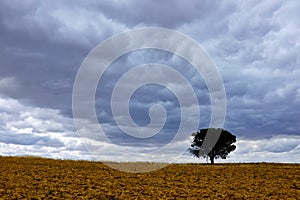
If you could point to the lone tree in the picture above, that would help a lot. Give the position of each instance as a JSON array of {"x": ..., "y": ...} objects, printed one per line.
[{"x": 212, "y": 149}]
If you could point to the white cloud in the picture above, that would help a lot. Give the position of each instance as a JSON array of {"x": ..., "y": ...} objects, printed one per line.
[
  {"x": 18, "y": 118},
  {"x": 27, "y": 126}
]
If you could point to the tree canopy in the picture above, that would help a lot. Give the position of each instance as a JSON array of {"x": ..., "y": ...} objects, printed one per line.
[{"x": 213, "y": 150}]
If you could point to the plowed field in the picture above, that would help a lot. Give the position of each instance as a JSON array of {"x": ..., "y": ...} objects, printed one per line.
[{"x": 37, "y": 178}]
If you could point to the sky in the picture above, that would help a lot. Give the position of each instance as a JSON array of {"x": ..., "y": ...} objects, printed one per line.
[{"x": 255, "y": 46}]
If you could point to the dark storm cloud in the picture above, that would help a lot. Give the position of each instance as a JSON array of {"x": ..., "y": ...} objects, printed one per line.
[
  {"x": 161, "y": 13},
  {"x": 29, "y": 56},
  {"x": 28, "y": 139},
  {"x": 42, "y": 50},
  {"x": 258, "y": 58},
  {"x": 145, "y": 97}
]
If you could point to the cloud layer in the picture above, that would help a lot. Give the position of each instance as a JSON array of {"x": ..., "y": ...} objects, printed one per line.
[{"x": 255, "y": 45}]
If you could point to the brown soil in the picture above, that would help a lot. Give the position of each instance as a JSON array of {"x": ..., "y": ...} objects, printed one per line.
[{"x": 37, "y": 178}]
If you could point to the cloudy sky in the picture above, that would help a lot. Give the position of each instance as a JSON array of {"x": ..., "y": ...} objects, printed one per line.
[{"x": 254, "y": 44}]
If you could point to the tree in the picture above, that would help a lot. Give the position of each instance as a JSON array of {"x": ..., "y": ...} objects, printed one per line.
[{"x": 219, "y": 143}]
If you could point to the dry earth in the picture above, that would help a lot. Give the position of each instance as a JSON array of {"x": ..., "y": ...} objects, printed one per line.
[{"x": 37, "y": 178}]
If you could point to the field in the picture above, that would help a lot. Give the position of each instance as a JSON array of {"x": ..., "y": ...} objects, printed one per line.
[{"x": 37, "y": 178}]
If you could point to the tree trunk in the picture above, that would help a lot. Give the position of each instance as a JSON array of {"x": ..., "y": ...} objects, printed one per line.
[
  {"x": 212, "y": 161},
  {"x": 212, "y": 158}
]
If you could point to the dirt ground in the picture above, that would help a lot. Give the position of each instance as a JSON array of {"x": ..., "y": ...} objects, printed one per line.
[{"x": 37, "y": 178}]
